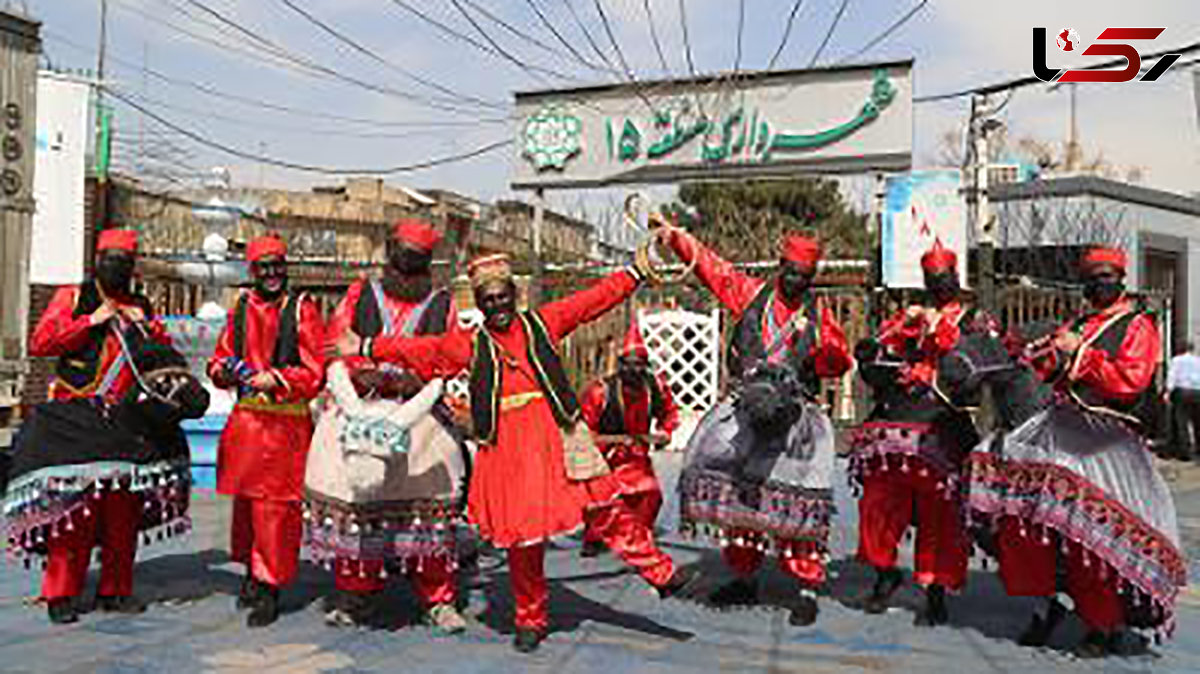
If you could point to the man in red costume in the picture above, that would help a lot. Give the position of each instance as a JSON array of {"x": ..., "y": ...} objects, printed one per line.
[
  {"x": 527, "y": 485},
  {"x": 402, "y": 303},
  {"x": 620, "y": 410},
  {"x": 271, "y": 352},
  {"x": 1075, "y": 490},
  {"x": 909, "y": 455},
  {"x": 779, "y": 323},
  {"x": 91, "y": 364}
]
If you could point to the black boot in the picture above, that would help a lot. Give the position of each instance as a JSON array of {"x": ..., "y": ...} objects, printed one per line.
[
  {"x": 122, "y": 604},
  {"x": 348, "y": 609},
  {"x": 266, "y": 609},
  {"x": 1094, "y": 645},
  {"x": 1038, "y": 633},
  {"x": 887, "y": 581},
  {"x": 934, "y": 612},
  {"x": 592, "y": 549},
  {"x": 248, "y": 594},
  {"x": 62, "y": 611},
  {"x": 741, "y": 592},
  {"x": 527, "y": 641},
  {"x": 680, "y": 580},
  {"x": 804, "y": 613}
]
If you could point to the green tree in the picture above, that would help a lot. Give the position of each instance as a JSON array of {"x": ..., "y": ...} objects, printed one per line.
[{"x": 745, "y": 220}]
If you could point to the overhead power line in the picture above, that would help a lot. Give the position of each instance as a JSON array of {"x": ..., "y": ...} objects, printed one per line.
[
  {"x": 263, "y": 104},
  {"x": 374, "y": 56},
  {"x": 559, "y": 36},
  {"x": 310, "y": 168},
  {"x": 662, "y": 59},
  {"x": 885, "y": 34},
  {"x": 787, "y": 34},
  {"x": 837, "y": 18},
  {"x": 587, "y": 34},
  {"x": 270, "y": 46},
  {"x": 687, "y": 43},
  {"x": 1028, "y": 80},
  {"x": 459, "y": 35}
]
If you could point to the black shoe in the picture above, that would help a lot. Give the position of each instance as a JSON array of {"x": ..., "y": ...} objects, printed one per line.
[
  {"x": 123, "y": 604},
  {"x": 248, "y": 594},
  {"x": 62, "y": 611},
  {"x": 1127, "y": 643},
  {"x": 1038, "y": 633},
  {"x": 683, "y": 577},
  {"x": 804, "y": 613},
  {"x": 527, "y": 641},
  {"x": 934, "y": 612},
  {"x": 266, "y": 610},
  {"x": 741, "y": 592},
  {"x": 348, "y": 609},
  {"x": 592, "y": 549},
  {"x": 1094, "y": 645},
  {"x": 887, "y": 581}
]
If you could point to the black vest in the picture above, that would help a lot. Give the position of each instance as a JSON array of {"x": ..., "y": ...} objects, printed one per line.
[
  {"x": 1142, "y": 408},
  {"x": 80, "y": 369},
  {"x": 368, "y": 315},
  {"x": 485, "y": 383},
  {"x": 746, "y": 348},
  {"x": 286, "y": 352},
  {"x": 612, "y": 419}
]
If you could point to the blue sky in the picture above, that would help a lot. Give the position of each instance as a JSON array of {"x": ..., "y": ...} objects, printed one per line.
[{"x": 956, "y": 43}]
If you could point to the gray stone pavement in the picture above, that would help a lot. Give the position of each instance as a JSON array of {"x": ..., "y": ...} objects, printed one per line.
[{"x": 605, "y": 620}]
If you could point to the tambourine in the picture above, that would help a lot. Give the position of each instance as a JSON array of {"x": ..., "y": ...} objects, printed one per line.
[{"x": 647, "y": 256}]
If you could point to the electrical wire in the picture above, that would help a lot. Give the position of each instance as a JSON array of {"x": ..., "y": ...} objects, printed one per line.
[
  {"x": 1032, "y": 80},
  {"x": 262, "y": 103},
  {"x": 310, "y": 168},
  {"x": 737, "y": 61},
  {"x": 687, "y": 43},
  {"x": 559, "y": 36},
  {"x": 459, "y": 35},
  {"x": 662, "y": 59},
  {"x": 787, "y": 33},
  {"x": 496, "y": 45},
  {"x": 884, "y": 35},
  {"x": 319, "y": 67},
  {"x": 587, "y": 34},
  {"x": 637, "y": 87},
  {"x": 829, "y": 33},
  {"x": 374, "y": 56}
]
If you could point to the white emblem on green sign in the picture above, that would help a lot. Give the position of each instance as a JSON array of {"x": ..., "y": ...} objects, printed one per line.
[{"x": 552, "y": 136}]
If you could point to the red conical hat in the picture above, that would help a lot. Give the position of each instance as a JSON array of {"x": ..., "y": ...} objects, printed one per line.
[
  {"x": 634, "y": 344},
  {"x": 939, "y": 258}
]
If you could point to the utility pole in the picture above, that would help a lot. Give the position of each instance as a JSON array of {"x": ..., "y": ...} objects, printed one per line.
[
  {"x": 982, "y": 123},
  {"x": 534, "y": 296}
]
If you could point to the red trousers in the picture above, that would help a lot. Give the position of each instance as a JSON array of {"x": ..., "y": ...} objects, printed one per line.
[
  {"x": 806, "y": 563},
  {"x": 265, "y": 536},
  {"x": 112, "y": 523},
  {"x": 643, "y": 505},
  {"x": 627, "y": 537},
  {"x": 433, "y": 580},
  {"x": 1029, "y": 568},
  {"x": 894, "y": 500}
]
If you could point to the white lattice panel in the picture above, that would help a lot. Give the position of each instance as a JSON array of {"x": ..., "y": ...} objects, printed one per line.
[{"x": 686, "y": 348}]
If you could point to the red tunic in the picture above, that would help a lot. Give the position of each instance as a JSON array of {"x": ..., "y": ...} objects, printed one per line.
[
  {"x": 265, "y": 443},
  {"x": 933, "y": 340},
  {"x": 736, "y": 291},
  {"x": 1120, "y": 379},
  {"x": 59, "y": 332},
  {"x": 399, "y": 310},
  {"x": 631, "y": 463},
  {"x": 519, "y": 490}
]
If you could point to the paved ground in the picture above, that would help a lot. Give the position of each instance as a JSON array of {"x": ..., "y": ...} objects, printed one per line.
[{"x": 605, "y": 620}]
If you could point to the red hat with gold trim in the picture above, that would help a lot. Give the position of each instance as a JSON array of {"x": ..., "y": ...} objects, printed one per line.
[
  {"x": 939, "y": 258},
  {"x": 266, "y": 246}
]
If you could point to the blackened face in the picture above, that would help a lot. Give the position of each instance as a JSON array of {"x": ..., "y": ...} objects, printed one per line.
[
  {"x": 1103, "y": 285},
  {"x": 633, "y": 370},
  {"x": 795, "y": 279},
  {"x": 114, "y": 271},
  {"x": 942, "y": 286},
  {"x": 407, "y": 273},
  {"x": 270, "y": 276},
  {"x": 498, "y": 302}
]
